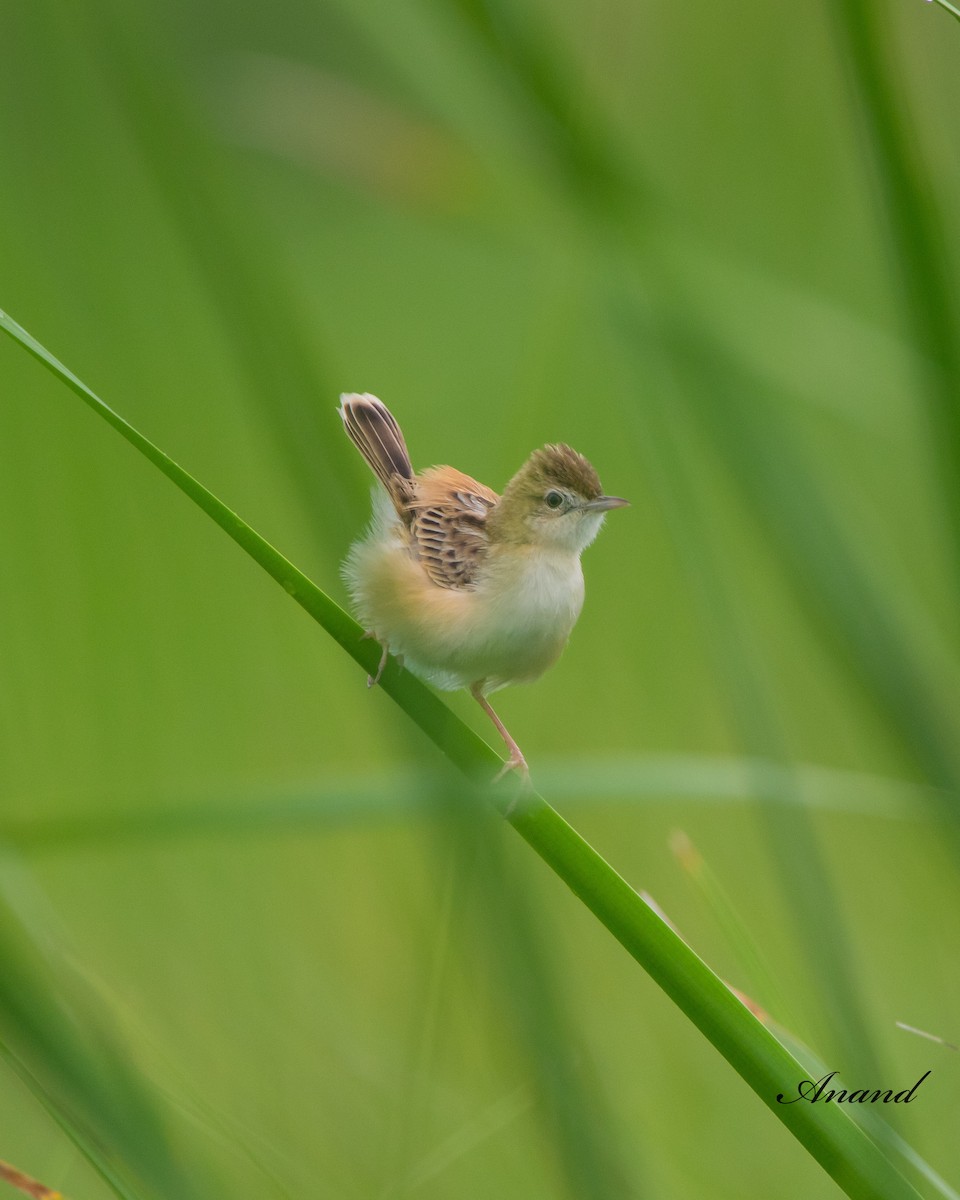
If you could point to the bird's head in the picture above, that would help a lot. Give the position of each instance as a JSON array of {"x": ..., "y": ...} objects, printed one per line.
[{"x": 554, "y": 500}]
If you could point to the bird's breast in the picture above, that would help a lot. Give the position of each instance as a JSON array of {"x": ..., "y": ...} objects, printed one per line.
[
  {"x": 534, "y": 588},
  {"x": 525, "y": 607}
]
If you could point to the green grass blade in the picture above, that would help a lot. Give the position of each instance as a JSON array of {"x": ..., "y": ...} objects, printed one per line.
[
  {"x": 816, "y": 912},
  {"x": 854, "y": 1161},
  {"x": 949, "y": 7},
  {"x": 56, "y": 1036},
  {"x": 379, "y": 798},
  {"x": 211, "y": 214},
  {"x": 467, "y": 751},
  {"x": 756, "y": 976},
  {"x": 917, "y": 235},
  {"x": 84, "y": 1144},
  {"x": 845, "y": 596}
]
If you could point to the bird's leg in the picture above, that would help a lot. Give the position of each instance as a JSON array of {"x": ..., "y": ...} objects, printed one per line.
[
  {"x": 373, "y": 680},
  {"x": 516, "y": 761}
]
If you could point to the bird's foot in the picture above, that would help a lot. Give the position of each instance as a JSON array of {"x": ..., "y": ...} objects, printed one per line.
[
  {"x": 373, "y": 680},
  {"x": 516, "y": 762}
]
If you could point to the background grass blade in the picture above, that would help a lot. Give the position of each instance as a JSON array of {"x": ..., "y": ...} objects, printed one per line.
[
  {"x": 918, "y": 241},
  {"x": 578, "y": 783},
  {"x": 56, "y": 1037}
]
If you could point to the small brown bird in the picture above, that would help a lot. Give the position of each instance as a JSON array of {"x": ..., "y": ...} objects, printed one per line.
[{"x": 470, "y": 589}]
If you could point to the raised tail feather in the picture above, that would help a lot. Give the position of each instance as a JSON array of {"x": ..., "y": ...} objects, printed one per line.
[{"x": 373, "y": 430}]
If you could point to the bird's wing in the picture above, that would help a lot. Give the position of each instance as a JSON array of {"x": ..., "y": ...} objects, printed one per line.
[{"x": 448, "y": 525}]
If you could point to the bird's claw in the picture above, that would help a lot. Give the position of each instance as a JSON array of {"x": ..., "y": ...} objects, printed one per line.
[
  {"x": 516, "y": 762},
  {"x": 373, "y": 680}
]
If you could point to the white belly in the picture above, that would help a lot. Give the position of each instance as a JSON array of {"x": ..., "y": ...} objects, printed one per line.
[{"x": 514, "y": 624}]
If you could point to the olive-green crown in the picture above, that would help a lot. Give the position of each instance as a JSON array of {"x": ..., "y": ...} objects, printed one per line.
[{"x": 556, "y": 466}]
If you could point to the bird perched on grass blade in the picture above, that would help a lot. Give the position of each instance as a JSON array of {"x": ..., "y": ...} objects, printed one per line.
[{"x": 471, "y": 589}]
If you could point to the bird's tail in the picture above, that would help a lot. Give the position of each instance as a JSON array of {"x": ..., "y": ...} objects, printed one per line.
[{"x": 373, "y": 430}]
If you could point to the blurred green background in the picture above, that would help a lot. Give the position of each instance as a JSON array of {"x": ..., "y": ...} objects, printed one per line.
[{"x": 255, "y": 941}]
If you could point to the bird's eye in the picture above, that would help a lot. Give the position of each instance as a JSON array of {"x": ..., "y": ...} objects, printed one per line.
[{"x": 554, "y": 499}]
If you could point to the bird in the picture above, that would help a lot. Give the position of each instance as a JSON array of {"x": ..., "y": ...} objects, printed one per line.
[{"x": 469, "y": 589}]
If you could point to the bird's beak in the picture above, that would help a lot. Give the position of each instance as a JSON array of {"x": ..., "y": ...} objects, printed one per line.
[{"x": 603, "y": 503}]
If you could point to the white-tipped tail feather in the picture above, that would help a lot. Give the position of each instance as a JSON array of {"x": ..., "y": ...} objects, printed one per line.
[{"x": 372, "y": 429}]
